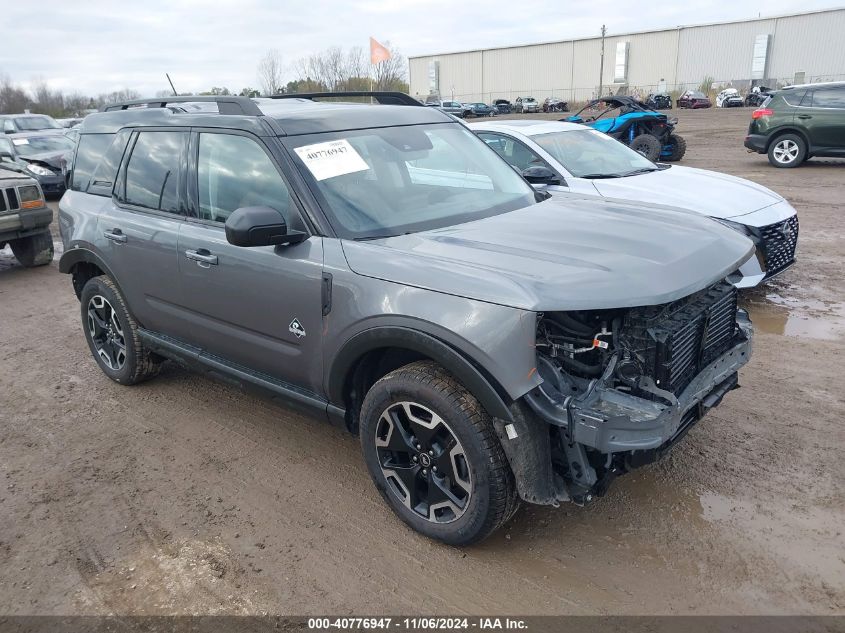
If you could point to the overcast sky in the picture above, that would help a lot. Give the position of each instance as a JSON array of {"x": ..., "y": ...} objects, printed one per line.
[{"x": 97, "y": 46}]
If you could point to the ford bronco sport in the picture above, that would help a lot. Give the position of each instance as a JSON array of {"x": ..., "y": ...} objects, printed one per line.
[
  {"x": 25, "y": 219},
  {"x": 381, "y": 266}
]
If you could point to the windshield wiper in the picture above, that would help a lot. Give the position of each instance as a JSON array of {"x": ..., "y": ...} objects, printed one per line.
[
  {"x": 375, "y": 237},
  {"x": 643, "y": 170},
  {"x": 597, "y": 176}
]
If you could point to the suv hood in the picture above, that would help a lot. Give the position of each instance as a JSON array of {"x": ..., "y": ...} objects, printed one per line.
[
  {"x": 708, "y": 192},
  {"x": 567, "y": 253}
]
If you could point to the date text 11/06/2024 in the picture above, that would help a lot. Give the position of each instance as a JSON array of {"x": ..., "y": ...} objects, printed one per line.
[{"x": 417, "y": 624}]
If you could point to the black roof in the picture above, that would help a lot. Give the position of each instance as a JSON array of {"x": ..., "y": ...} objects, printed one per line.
[
  {"x": 288, "y": 116},
  {"x": 620, "y": 100}
]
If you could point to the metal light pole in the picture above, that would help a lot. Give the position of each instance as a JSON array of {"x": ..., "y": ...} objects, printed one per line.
[{"x": 601, "y": 65}]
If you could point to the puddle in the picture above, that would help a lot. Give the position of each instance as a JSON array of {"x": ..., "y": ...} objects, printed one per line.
[{"x": 775, "y": 313}]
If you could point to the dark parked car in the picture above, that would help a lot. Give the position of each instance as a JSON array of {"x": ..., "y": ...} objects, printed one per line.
[
  {"x": 694, "y": 100},
  {"x": 42, "y": 155},
  {"x": 503, "y": 106},
  {"x": 551, "y": 104},
  {"x": 799, "y": 122},
  {"x": 14, "y": 123},
  {"x": 757, "y": 96},
  {"x": 480, "y": 109},
  {"x": 661, "y": 101}
]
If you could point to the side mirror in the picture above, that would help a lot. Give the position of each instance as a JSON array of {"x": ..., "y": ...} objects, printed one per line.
[
  {"x": 6, "y": 155},
  {"x": 539, "y": 175},
  {"x": 259, "y": 226}
]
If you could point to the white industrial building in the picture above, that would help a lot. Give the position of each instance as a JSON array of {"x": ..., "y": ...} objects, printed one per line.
[{"x": 774, "y": 51}]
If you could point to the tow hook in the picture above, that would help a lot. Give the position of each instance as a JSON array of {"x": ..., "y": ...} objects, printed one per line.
[{"x": 602, "y": 485}]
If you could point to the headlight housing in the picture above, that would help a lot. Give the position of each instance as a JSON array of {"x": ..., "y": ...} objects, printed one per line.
[
  {"x": 38, "y": 170},
  {"x": 736, "y": 226}
]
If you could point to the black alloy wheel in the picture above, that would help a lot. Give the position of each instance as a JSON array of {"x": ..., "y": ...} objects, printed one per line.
[
  {"x": 423, "y": 462},
  {"x": 106, "y": 333}
]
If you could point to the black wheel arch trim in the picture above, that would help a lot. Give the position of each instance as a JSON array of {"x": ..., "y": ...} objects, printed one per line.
[
  {"x": 79, "y": 255},
  {"x": 384, "y": 337}
]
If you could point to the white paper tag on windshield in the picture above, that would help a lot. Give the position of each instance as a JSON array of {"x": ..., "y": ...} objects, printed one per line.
[
  {"x": 327, "y": 160},
  {"x": 20, "y": 141}
]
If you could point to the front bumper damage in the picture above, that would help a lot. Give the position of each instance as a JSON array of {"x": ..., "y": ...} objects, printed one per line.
[{"x": 572, "y": 449}]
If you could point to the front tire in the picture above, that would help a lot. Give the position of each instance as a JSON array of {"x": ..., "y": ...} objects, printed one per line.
[
  {"x": 434, "y": 456},
  {"x": 787, "y": 150},
  {"x": 112, "y": 334},
  {"x": 35, "y": 250}
]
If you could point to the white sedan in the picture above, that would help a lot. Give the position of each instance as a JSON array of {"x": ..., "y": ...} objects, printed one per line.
[{"x": 567, "y": 157}]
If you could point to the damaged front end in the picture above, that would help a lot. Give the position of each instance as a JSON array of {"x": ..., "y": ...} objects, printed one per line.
[{"x": 620, "y": 388}]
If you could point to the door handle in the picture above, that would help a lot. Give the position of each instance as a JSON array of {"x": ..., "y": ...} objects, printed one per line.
[
  {"x": 115, "y": 235},
  {"x": 805, "y": 116},
  {"x": 202, "y": 256}
]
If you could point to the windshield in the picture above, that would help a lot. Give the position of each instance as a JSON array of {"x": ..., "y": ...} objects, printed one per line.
[
  {"x": 396, "y": 180},
  {"x": 35, "y": 123},
  {"x": 31, "y": 145},
  {"x": 588, "y": 153}
]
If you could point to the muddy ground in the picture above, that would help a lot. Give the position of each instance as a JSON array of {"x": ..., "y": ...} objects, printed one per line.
[{"x": 184, "y": 495}]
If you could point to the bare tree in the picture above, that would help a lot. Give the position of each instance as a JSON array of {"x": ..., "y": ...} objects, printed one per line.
[
  {"x": 270, "y": 72},
  {"x": 76, "y": 104},
  {"x": 116, "y": 96},
  {"x": 13, "y": 99},
  {"x": 47, "y": 101},
  {"x": 334, "y": 69}
]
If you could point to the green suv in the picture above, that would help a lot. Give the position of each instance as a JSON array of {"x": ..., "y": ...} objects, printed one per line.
[{"x": 799, "y": 122}]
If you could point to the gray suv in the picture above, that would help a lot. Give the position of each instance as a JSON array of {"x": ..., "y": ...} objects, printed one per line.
[{"x": 380, "y": 266}]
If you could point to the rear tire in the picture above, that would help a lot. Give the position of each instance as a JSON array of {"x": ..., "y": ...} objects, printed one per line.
[
  {"x": 787, "y": 150},
  {"x": 35, "y": 250},
  {"x": 434, "y": 456},
  {"x": 679, "y": 148},
  {"x": 648, "y": 146},
  {"x": 112, "y": 334}
]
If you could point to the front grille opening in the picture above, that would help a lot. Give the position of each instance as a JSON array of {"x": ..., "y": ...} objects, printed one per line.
[
  {"x": 779, "y": 242},
  {"x": 12, "y": 196},
  {"x": 675, "y": 343}
]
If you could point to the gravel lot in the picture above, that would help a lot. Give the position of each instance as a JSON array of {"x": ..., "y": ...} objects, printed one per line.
[{"x": 184, "y": 495}]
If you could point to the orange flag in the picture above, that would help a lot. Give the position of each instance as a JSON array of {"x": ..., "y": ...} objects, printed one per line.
[{"x": 378, "y": 53}]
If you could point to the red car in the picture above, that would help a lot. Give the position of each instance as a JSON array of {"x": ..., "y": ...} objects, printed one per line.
[{"x": 694, "y": 99}]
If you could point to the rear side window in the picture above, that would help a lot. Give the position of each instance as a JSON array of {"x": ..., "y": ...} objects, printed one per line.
[
  {"x": 793, "y": 97},
  {"x": 105, "y": 173},
  {"x": 152, "y": 173},
  {"x": 830, "y": 98},
  {"x": 88, "y": 155}
]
